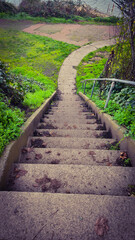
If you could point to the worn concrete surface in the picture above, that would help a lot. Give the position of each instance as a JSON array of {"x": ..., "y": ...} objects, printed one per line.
[
  {"x": 70, "y": 126},
  {"x": 71, "y": 142},
  {"x": 70, "y": 156},
  {"x": 71, "y": 133},
  {"x": 61, "y": 214},
  {"x": 40, "y": 216},
  {"x": 77, "y": 179}
]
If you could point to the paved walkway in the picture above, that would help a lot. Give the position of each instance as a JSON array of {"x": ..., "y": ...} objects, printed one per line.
[{"x": 67, "y": 74}]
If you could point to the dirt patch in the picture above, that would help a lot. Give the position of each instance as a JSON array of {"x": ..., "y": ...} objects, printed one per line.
[{"x": 71, "y": 33}]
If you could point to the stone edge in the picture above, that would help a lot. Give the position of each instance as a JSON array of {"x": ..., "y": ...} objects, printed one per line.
[
  {"x": 12, "y": 151},
  {"x": 117, "y": 131}
]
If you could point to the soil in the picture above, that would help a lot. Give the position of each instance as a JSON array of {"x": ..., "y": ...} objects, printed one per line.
[{"x": 71, "y": 33}]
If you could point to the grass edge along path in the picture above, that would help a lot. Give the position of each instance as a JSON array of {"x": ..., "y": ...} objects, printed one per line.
[{"x": 33, "y": 63}]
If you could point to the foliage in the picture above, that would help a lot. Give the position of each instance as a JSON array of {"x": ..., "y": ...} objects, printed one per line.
[
  {"x": 37, "y": 59},
  {"x": 7, "y": 7},
  {"x": 29, "y": 77},
  {"x": 10, "y": 121},
  {"x": 71, "y": 19},
  {"x": 91, "y": 66},
  {"x": 122, "y": 103},
  {"x": 56, "y": 8},
  {"x": 127, "y": 36}
]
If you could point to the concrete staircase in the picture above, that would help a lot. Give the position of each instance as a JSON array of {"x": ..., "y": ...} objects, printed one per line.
[
  {"x": 64, "y": 159},
  {"x": 67, "y": 184}
]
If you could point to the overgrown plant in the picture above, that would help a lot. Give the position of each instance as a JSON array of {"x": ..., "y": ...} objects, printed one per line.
[{"x": 122, "y": 103}]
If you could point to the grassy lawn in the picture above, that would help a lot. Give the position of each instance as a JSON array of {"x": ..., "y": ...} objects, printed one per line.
[
  {"x": 33, "y": 63},
  {"x": 34, "y": 57},
  {"x": 121, "y": 105}
]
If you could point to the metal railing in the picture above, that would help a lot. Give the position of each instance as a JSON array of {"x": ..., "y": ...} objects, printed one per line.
[{"x": 113, "y": 80}]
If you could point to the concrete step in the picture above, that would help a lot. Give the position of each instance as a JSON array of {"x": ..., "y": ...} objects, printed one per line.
[
  {"x": 70, "y": 142},
  {"x": 71, "y": 126},
  {"x": 68, "y": 120},
  {"x": 76, "y": 179},
  {"x": 69, "y": 156},
  {"x": 72, "y": 133},
  {"x": 65, "y": 111},
  {"x": 74, "y": 111},
  {"x": 43, "y": 216}
]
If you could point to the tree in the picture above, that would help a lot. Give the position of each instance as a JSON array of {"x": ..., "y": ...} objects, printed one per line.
[{"x": 127, "y": 8}]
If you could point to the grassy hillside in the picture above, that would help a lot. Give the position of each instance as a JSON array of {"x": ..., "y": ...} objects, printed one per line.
[{"x": 29, "y": 66}]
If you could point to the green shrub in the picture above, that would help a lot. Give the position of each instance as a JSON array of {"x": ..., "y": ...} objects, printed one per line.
[
  {"x": 10, "y": 121},
  {"x": 122, "y": 103}
]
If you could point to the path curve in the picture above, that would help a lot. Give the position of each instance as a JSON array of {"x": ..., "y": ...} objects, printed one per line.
[{"x": 67, "y": 74}]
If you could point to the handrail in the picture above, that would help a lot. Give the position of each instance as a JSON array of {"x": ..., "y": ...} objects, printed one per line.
[{"x": 113, "y": 80}]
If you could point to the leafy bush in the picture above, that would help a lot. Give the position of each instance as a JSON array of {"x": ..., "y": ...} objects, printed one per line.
[
  {"x": 10, "y": 121},
  {"x": 122, "y": 103}
]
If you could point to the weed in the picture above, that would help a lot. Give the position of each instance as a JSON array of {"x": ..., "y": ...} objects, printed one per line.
[{"x": 131, "y": 190}]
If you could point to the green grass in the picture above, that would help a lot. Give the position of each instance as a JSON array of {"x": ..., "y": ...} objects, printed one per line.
[
  {"x": 121, "y": 105},
  {"x": 33, "y": 63},
  {"x": 34, "y": 57},
  {"x": 10, "y": 121},
  {"x": 91, "y": 66},
  {"x": 72, "y": 19}
]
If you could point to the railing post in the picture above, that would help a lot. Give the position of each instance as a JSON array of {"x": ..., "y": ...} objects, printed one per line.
[
  {"x": 85, "y": 87},
  {"x": 82, "y": 85},
  {"x": 93, "y": 88},
  {"x": 109, "y": 94}
]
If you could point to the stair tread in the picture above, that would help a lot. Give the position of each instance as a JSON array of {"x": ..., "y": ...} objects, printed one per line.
[
  {"x": 71, "y": 133},
  {"x": 70, "y": 142},
  {"x": 77, "y": 179},
  {"x": 65, "y": 216},
  {"x": 74, "y": 125},
  {"x": 70, "y": 156}
]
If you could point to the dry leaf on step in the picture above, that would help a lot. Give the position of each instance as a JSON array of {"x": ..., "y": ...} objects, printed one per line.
[{"x": 101, "y": 226}]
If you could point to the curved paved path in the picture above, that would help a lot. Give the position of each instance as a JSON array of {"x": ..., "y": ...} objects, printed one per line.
[{"x": 67, "y": 74}]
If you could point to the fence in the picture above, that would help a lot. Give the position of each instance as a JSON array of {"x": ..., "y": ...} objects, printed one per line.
[{"x": 113, "y": 80}]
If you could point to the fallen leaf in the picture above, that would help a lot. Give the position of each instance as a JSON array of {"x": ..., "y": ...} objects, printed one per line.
[
  {"x": 27, "y": 150},
  {"x": 35, "y": 185},
  {"x": 48, "y": 152},
  {"x": 38, "y": 156},
  {"x": 44, "y": 145},
  {"x": 101, "y": 226}
]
